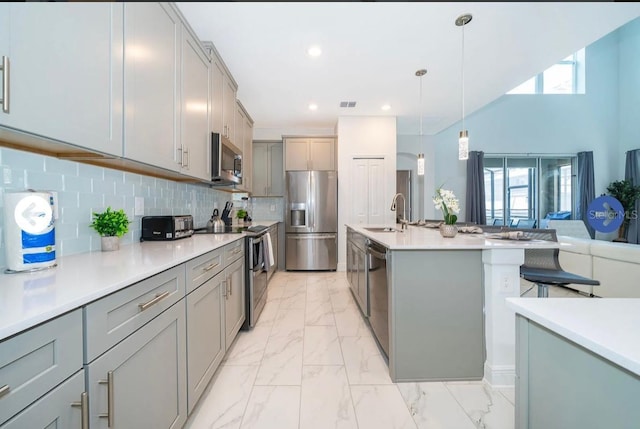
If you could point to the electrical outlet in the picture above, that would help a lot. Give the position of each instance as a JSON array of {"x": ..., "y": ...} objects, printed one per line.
[
  {"x": 138, "y": 209},
  {"x": 7, "y": 176},
  {"x": 505, "y": 284},
  {"x": 272, "y": 207}
]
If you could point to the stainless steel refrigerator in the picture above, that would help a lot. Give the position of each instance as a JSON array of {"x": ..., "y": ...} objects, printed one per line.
[{"x": 311, "y": 220}]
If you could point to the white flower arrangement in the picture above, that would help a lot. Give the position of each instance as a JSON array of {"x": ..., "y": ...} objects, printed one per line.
[{"x": 446, "y": 201}]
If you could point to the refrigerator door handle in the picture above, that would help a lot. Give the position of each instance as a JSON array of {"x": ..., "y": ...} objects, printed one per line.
[{"x": 311, "y": 236}]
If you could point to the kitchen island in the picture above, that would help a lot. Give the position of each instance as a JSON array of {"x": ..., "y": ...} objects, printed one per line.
[
  {"x": 447, "y": 315},
  {"x": 578, "y": 363}
]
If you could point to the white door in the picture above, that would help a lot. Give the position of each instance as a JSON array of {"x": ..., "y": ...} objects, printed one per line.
[{"x": 368, "y": 205}]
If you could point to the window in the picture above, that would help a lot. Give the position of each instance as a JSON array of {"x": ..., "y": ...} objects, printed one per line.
[
  {"x": 564, "y": 77},
  {"x": 524, "y": 188}
]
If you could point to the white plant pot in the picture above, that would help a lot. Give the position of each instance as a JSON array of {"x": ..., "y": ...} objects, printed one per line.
[{"x": 110, "y": 243}]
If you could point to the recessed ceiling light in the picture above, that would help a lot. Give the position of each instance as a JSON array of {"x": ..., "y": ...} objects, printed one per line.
[
  {"x": 313, "y": 106},
  {"x": 314, "y": 51},
  {"x": 386, "y": 106}
]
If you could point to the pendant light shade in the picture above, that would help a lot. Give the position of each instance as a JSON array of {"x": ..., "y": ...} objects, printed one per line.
[{"x": 463, "y": 140}]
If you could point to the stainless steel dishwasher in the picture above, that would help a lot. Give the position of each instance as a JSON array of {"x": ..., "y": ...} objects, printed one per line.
[{"x": 378, "y": 293}]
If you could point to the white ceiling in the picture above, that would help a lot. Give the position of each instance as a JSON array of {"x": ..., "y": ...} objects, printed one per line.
[{"x": 372, "y": 50}]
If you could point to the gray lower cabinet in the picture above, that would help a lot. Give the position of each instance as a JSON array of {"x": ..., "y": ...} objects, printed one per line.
[
  {"x": 62, "y": 408},
  {"x": 205, "y": 335},
  {"x": 356, "y": 274},
  {"x": 141, "y": 382},
  {"x": 35, "y": 362},
  {"x": 436, "y": 315},
  {"x": 273, "y": 235},
  {"x": 234, "y": 308},
  {"x": 560, "y": 384}
]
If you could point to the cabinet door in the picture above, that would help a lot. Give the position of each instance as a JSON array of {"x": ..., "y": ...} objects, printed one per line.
[
  {"x": 145, "y": 376},
  {"x": 296, "y": 154},
  {"x": 152, "y": 43},
  {"x": 234, "y": 300},
  {"x": 55, "y": 409},
  {"x": 65, "y": 72},
  {"x": 205, "y": 336},
  {"x": 195, "y": 109},
  {"x": 217, "y": 85},
  {"x": 229, "y": 109},
  {"x": 321, "y": 154},
  {"x": 260, "y": 169},
  {"x": 276, "y": 170}
]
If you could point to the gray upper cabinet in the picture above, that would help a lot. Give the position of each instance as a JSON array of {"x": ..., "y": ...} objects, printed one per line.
[
  {"x": 152, "y": 45},
  {"x": 310, "y": 153},
  {"x": 65, "y": 72},
  {"x": 195, "y": 127},
  {"x": 268, "y": 171}
]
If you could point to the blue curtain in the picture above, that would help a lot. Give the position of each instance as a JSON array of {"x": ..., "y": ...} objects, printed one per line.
[
  {"x": 632, "y": 173},
  {"x": 475, "y": 208},
  {"x": 586, "y": 188}
]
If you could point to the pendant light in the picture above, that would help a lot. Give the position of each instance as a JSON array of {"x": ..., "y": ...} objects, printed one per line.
[
  {"x": 421, "y": 73},
  {"x": 463, "y": 141}
]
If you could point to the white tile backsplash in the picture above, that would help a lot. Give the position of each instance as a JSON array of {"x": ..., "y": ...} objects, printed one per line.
[{"x": 84, "y": 189}]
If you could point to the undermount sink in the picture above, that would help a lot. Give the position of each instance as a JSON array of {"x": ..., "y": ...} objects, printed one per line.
[{"x": 383, "y": 229}]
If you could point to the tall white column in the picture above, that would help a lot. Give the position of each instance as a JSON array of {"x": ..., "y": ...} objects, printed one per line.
[{"x": 501, "y": 280}]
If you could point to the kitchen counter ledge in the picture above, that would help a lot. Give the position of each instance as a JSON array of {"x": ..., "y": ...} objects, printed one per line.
[
  {"x": 421, "y": 238},
  {"x": 28, "y": 299}
]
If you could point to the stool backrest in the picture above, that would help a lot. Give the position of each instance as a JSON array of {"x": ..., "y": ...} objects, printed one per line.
[{"x": 541, "y": 258}]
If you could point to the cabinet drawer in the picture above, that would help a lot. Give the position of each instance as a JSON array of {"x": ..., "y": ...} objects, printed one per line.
[
  {"x": 34, "y": 362},
  {"x": 204, "y": 267},
  {"x": 111, "y": 319},
  {"x": 55, "y": 406},
  {"x": 233, "y": 251}
]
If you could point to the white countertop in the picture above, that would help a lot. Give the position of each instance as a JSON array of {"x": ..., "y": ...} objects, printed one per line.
[
  {"x": 27, "y": 299},
  {"x": 421, "y": 238},
  {"x": 609, "y": 327}
]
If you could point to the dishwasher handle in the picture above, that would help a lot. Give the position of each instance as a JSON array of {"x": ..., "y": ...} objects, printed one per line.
[{"x": 376, "y": 253}]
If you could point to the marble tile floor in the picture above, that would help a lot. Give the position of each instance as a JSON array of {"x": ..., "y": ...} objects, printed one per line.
[{"x": 312, "y": 363}]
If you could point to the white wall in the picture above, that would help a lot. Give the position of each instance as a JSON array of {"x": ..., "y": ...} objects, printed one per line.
[{"x": 363, "y": 136}]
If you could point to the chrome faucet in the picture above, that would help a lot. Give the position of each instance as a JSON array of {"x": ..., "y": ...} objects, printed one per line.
[{"x": 403, "y": 220}]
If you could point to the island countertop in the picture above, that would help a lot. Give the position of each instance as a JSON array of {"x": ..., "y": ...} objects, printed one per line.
[
  {"x": 608, "y": 326},
  {"x": 422, "y": 238}
]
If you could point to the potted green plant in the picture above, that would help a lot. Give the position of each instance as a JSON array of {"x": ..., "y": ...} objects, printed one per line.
[
  {"x": 625, "y": 192},
  {"x": 111, "y": 225},
  {"x": 241, "y": 214}
]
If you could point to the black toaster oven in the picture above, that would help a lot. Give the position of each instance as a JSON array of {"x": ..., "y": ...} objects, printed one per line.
[{"x": 162, "y": 228}]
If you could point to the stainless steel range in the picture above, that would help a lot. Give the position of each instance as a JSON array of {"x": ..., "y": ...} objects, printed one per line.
[
  {"x": 255, "y": 268},
  {"x": 256, "y": 274}
]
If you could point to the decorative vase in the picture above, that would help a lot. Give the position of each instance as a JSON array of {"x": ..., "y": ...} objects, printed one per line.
[
  {"x": 110, "y": 243},
  {"x": 448, "y": 231}
]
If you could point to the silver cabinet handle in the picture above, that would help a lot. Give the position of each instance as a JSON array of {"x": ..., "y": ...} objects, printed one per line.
[
  {"x": 109, "y": 414},
  {"x": 229, "y": 282},
  {"x": 84, "y": 409},
  {"x": 185, "y": 155},
  {"x": 179, "y": 155},
  {"x": 226, "y": 291},
  {"x": 236, "y": 251},
  {"x": 159, "y": 297},
  {"x": 5, "y": 84},
  {"x": 4, "y": 390},
  {"x": 211, "y": 267}
]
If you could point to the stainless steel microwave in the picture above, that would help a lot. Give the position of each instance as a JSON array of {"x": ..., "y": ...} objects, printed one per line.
[{"x": 226, "y": 161}]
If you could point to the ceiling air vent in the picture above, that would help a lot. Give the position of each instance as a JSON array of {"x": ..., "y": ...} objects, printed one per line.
[{"x": 347, "y": 104}]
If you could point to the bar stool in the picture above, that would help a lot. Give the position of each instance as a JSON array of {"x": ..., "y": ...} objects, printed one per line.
[{"x": 542, "y": 267}]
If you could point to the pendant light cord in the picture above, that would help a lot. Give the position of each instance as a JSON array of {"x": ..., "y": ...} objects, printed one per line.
[
  {"x": 462, "y": 63},
  {"x": 420, "y": 106}
]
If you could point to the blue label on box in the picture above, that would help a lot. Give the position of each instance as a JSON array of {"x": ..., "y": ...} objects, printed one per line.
[
  {"x": 30, "y": 241},
  {"x": 33, "y": 258}
]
